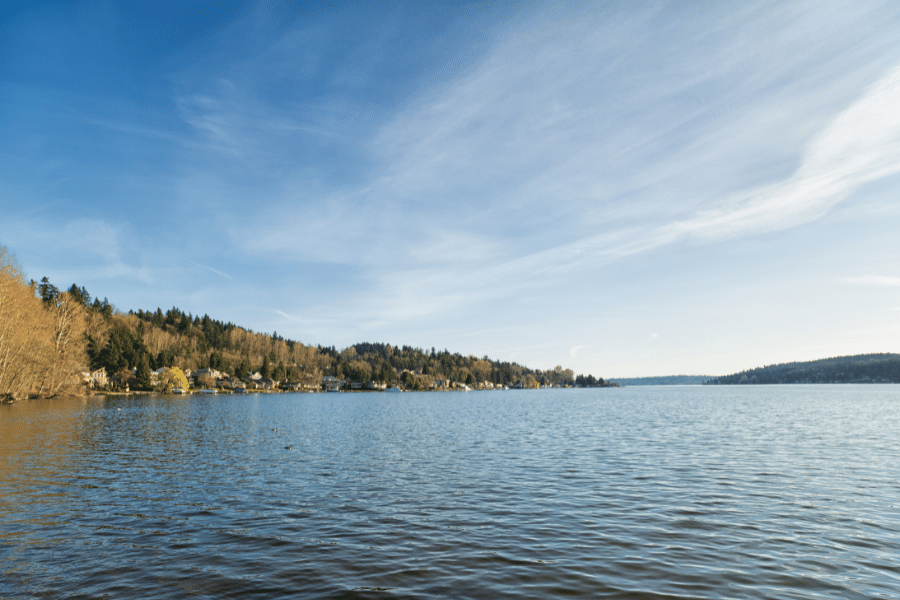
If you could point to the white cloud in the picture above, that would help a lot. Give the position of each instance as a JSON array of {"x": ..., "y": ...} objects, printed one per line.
[{"x": 861, "y": 144}]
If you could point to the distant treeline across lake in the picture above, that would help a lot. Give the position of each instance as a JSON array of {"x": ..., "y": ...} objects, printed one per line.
[
  {"x": 863, "y": 368},
  {"x": 663, "y": 380}
]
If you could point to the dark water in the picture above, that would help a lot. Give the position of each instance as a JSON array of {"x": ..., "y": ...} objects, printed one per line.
[{"x": 692, "y": 492}]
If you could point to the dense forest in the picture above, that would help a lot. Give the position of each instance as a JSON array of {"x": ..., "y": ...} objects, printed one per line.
[
  {"x": 863, "y": 368},
  {"x": 49, "y": 338}
]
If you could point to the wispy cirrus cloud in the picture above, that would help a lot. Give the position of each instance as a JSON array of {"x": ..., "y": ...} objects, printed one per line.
[
  {"x": 575, "y": 139},
  {"x": 216, "y": 271},
  {"x": 576, "y": 122},
  {"x": 861, "y": 144},
  {"x": 569, "y": 119}
]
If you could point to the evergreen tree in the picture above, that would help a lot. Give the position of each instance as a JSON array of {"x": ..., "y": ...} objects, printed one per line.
[
  {"x": 80, "y": 295},
  {"x": 123, "y": 350},
  {"x": 165, "y": 358},
  {"x": 106, "y": 309},
  {"x": 387, "y": 374},
  {"x": 142, "y": 377},
  {"x": 112, "y": 358},
  {"x": 243, "y": 369},
  {"x": 48, "y": 292},
  {"x": 408, "y": 380},
  {"x": 215, "y": 361}
]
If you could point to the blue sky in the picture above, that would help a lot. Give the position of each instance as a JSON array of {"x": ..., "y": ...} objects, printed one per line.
[{"x": 622, "y": 188}]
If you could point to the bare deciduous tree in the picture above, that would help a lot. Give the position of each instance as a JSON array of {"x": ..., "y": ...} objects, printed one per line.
[{"x": 41, "y": 343}]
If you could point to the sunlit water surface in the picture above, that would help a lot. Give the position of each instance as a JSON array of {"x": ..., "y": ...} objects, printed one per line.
[{"x": 667, "y": 492}]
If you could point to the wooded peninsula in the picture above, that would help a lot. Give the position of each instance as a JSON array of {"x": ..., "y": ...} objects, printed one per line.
[
  {"x": 55, "y": 342},
  {"x": 861, "y": 368}
]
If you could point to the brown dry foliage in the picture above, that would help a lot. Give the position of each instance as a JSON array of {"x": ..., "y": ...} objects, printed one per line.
[{"x": 41, "y": 346}]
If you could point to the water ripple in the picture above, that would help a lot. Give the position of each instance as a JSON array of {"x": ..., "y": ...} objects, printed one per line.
[{"x": 750, "y": 492}]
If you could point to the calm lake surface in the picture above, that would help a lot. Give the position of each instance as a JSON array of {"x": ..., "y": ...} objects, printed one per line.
[{"x": 665, "y": 492}]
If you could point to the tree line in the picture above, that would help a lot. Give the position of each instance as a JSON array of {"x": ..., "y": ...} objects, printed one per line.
[
  {"x": 49, "y": 337},
  {"x": 417, "y": 368},
  {"x": 862, "y": 368}
]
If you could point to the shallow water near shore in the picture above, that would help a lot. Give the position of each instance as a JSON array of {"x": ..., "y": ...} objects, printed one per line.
[{"x": 658, "y": 492}]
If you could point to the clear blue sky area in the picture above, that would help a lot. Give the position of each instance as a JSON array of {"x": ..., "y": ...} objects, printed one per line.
[{"x": 626, "y": 189}]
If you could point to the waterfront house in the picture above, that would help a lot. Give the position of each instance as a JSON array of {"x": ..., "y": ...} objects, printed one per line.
[
  {"x": 207, "y": 372},
  {"x": 266, "y": 383},
  {"x": 330, "y": 382},
  {"x": 99, "y": 378}
]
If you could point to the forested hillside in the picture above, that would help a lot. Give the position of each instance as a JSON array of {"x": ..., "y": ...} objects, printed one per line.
[
  {"x": 663, "y": 380},
  {"x": 863, "y": 368},
  {"x": 50, "y": 338},
  {"x": 175, "y": 338}
]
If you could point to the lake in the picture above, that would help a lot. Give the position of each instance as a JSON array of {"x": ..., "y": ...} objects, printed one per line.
[{"x": 644, "y": 492}]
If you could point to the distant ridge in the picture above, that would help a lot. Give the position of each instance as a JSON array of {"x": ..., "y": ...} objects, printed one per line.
[
  {"x": 663, "y": 380},
  {"x": 862, "y": 368}
]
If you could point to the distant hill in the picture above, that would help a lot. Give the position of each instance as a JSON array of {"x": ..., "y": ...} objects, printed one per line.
[
  {"x": 863, "y": 368},
  {"x": 663, "y": 380}
]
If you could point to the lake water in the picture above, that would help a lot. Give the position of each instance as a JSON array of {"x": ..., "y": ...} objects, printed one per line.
[{"x": 666, "y": 492}]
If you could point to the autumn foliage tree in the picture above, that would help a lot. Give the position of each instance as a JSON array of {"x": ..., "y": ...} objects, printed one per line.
[
  {"x": 173, "y": 378},
  {"x": 67, "y": 355},
  {"x": 41, "y": 345},
  {"x": 22, "y": 330}
]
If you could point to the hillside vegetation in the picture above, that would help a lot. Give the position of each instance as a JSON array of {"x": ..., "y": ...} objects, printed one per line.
[
  {"x": 50, "y": 338},
  {"x": 863, "y": 368}
]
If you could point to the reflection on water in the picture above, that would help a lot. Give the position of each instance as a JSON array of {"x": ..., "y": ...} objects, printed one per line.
[{"x": 691, "y": 492}]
